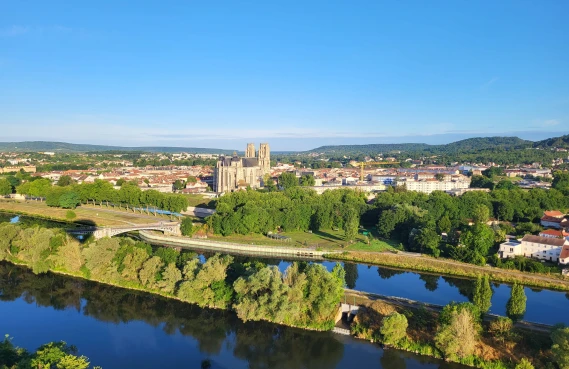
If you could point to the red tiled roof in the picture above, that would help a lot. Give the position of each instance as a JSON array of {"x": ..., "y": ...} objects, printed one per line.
[
  {"x": 554, "y": 232},
  {"x": 564, "y": 252},
  {"x": 544, "y": 240},
  {"x": 546, "y": 218},
  {"x": 553, "y": 213}
]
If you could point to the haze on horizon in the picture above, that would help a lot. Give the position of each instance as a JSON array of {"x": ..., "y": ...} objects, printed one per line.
[{"x": 298, "y": 75}]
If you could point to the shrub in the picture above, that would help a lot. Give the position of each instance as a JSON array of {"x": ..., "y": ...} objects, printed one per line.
[{"x": 70, "y": 215}]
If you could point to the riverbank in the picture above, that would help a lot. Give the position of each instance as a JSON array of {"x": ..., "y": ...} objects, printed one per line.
[
  {"x": 490, "y": 354},
  {"x": 491, "y": 350},
  {"x": 429, "y": 264}
]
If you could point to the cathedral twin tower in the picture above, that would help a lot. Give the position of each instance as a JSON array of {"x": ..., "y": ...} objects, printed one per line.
[{"x": 232, "y": 173}]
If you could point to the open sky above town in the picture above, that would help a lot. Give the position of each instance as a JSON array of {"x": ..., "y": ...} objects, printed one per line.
[{"x": 296, "y": 74}]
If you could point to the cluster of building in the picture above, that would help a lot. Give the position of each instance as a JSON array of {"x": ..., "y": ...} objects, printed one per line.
[{"x": 551, "y": 244}]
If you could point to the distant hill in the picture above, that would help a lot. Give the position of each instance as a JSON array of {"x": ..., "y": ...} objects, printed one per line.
[
  {"x": 561, "y": 142},
  {"x": 470, "y": 144},
  {"x": 35, "y": 146}
]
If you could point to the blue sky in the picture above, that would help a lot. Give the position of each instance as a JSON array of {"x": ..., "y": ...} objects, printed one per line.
[{"x": 297, "y": 74}]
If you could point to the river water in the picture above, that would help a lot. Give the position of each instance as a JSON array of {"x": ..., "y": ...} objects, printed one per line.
[
  {"x": 543, "y": 306},
  {"x": 120, "y": 329}
]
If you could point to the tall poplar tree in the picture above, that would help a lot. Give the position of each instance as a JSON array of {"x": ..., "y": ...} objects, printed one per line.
[
  {"x": 483, "y": 294},
  {"x": 516, "y": 307}
]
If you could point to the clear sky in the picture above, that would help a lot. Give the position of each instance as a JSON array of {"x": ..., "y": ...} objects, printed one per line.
[{"x": 296, "y": 74}]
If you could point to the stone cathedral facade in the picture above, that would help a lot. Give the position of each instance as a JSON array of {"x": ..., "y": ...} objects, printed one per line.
[{"x": 232, "y": 173}]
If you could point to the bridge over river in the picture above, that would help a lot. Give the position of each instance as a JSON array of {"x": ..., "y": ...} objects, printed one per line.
[{"x": 169, "y": 228}]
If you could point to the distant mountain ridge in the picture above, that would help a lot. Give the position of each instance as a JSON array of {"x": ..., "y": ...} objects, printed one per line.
[
  {"x": 469, "y": 144},
  {"x": 65, "y": 147}
]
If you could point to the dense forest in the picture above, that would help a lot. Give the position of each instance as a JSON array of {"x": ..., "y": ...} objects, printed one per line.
[{"x": 305, "y": 295}]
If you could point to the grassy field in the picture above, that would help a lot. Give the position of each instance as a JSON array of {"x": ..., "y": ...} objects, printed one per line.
[
  {"x": 327, "y": 240},
  {"x": 200, "y": 201},
  {"x": 448, "y": 267},
  {"x": 87, "y": 213}
]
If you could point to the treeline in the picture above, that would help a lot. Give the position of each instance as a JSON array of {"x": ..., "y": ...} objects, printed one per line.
[
  {"x": 304, "y": 295},
  {"x": 417, "y": 220},
  {"x": 102, "y": 193},
  {"x": 156, "y": 162},
  {"x": 50, "y": 355},
  {"x": 460, "y": 334},
  {"x": 295, "y": 209}
]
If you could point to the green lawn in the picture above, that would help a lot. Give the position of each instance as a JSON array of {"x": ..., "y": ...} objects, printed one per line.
[
  {"x": 329, "y": 240},
  {"x": 200, "y": 201}
]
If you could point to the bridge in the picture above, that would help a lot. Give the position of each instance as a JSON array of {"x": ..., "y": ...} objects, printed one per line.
[{"x": 170, "y": 228}]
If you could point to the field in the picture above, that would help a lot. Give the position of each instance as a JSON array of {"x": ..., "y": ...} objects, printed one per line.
[
  {"x": 101, "y": 216},
  {"x": 200, "y": 201}
]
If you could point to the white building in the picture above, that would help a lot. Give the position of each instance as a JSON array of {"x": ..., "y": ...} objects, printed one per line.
[
  {"x": 543, "y": 248},
  {"x": 430, "y": 185}
]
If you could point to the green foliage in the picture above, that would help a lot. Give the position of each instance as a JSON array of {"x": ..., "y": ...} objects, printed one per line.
[
  {"x": 560, "y": 347},
  {"x": 69, "y": 200},
  {"x": 288, "y": 180},
  {"x": 65, "y": 181},
  {"x": 70, "y": 215},
  {"x": 167, "y": 254},
  {"x": 428, "y": 239},
  {"x": 5, "y": 187},
  {"x": 307, "y": 180},
  {"x": 187, "y": 227},
  {"x": 516, "y": 306},
  {"x": 51, "y": 355},
  {"x": 394, "y": 328},
  {"x": 482, "y": 294},
  {"x": 501, "y": 328},
  {"x": 457, "y": 338},
  {"x": 446, "y": 314},
  {"x": 524, "y": 364}
]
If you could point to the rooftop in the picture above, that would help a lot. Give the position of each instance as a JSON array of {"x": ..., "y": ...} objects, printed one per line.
[{"x": 544, "y": 240}]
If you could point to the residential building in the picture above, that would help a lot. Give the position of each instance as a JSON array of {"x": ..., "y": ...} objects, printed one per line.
[
  {"x": 553, "y": 219},
  {"x": 543, "y": 248}
]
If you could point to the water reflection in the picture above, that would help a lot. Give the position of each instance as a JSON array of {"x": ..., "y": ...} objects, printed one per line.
[{"x": 119, "y": 328}]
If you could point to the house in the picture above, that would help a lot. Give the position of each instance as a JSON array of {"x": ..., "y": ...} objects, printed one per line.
[
  {"x": 553, "y": 233},
  {"x": 564, "y": 256},
  {"x": 543, "y": 248},
  {"x": 553, "y": 219}
]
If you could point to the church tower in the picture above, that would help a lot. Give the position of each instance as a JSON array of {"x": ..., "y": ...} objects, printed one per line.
[
  {"x": 250, "y": 152},
  {"x": 264, "y": 158}
]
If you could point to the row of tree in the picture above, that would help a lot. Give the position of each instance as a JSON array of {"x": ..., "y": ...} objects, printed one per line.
[
  {"x": 304, "y": 295},
  {"x": 102, "y": 193},
  {"x": 294, "y": 209}
]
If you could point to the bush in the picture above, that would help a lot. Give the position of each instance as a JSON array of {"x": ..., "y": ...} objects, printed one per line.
[
  {"x": 187, "y": 227},
  {"x": 70, "y": 215},
  {"x": 394, "y": 328}
]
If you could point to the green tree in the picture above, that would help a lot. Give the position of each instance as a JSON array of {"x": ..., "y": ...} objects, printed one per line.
[
  {"x": 187, "y": 227},
  {"x": 560, "y": 347},
  {"x": 444, "y": 224},
  {"x": 458, "y": 338},
  {"x": 440, "y": 177},
  {"x": 288, "y": 180},
  {"x": 64, "y": 181},
  {"x": 351, "y": 223},
  {"x": 307, "y": 180},
  {"x": 191, "y": 180},
  {"x": 394, "y": 328},
  {"x": 70, "y": 215},
  {"x": 483, "y": 294},
  {"x": 516, "y": 306},
  {"x": 5, "y": 187},
  {"x": 505, "y": 184},
  {"x": 524, "y": 364},
  {"x": 501, "y": 328},
  {"x": 179, "y": 185},
  {"x": 561, "y": 181},
  {"x": 428, "y": 238},
  {"x": 480, "y": 214},
  {"x": 69, "y": 200}
]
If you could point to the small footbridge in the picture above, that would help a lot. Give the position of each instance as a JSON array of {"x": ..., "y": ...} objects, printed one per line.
[{"x": 170, "y": 228}]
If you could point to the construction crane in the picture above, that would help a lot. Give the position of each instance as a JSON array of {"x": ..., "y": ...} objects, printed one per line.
[{"x": 362, "y": 164}]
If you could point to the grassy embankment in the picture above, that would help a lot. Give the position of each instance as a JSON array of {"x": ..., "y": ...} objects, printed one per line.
[
  {"x": 100, "y": 216},
  {"x": 490, "y": 352},
  {"x": 200, "y": 201},
  {"x": 449, "y": 267}
]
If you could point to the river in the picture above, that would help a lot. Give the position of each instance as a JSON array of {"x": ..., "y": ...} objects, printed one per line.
[
  {"x": 118, "y": 328},
  {"x": 543, "y": 306}
]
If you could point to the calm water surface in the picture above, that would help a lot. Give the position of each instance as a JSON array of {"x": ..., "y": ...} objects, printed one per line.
[{"x": 120, "y": 329}]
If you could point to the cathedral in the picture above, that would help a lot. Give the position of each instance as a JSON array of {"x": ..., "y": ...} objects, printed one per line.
[{"x": 232, "y": 173}]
